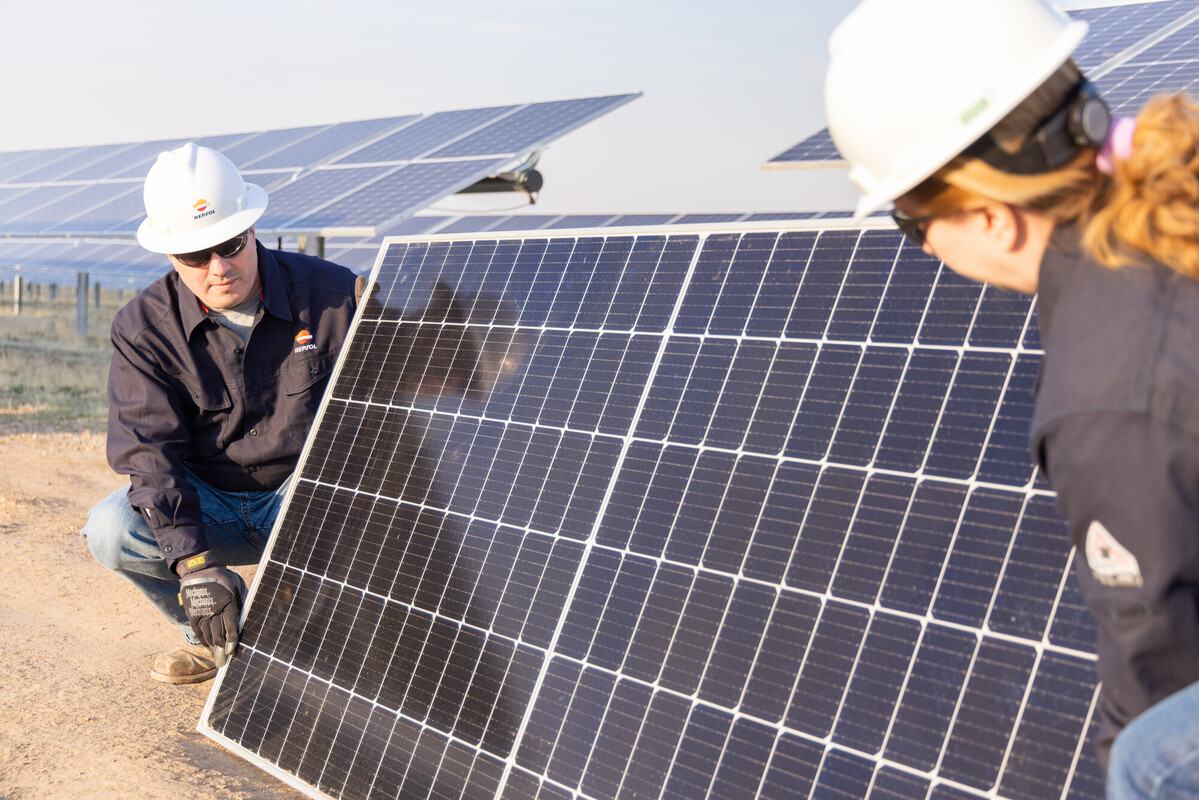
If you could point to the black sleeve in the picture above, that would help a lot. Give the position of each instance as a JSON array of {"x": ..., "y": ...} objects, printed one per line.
[
  {"x": 147, "y": 440},
  {"x": 1129, "y": 487}
]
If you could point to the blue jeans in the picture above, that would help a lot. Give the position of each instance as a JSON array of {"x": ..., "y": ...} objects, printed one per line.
[
  {"x": 1157, "y": 755},
  {"x": 237, "y": 525}
]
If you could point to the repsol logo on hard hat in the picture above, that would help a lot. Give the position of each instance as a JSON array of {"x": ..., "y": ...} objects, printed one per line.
[{"x": 202, "y": 209}]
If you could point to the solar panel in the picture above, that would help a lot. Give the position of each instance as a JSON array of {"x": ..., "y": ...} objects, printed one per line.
[
  {"x": 39, "y": 161},
  {"x": 335, "y": 139},
  {"x": 530, "y": 126},
  {"x": 709, "y": 511},
  {"x": 427, "y": 134},
  {"x": 1116, "y": 36},
  {"x": 10, "y": 162},
  {"x": 1170, "y": 66},
  {"x": 1116, "y": 29},
  {"x": 78, "y": 160},
  {"x": 398, "y": 193},
  {"x": 73, "y": 202},
  {"x": 263, "y": 144},
  {"x": 122, "y": 213},
  {"x": 136, "y": 159}
]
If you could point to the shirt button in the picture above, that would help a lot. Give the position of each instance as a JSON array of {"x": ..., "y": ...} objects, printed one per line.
[
  {"x": 313, "y": 370},
  {"x": 251, "y": 470},
  {"x": 238, "y": 350},
  {"x": 167, "y": 549},
  {"x": 253, "y": 431}
]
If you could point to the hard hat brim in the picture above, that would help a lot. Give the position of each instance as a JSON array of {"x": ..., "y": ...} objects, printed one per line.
[{"x": 150, "y": 238}]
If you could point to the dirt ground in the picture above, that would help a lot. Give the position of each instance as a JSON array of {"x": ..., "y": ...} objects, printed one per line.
[{"x": 79, "y": 715}]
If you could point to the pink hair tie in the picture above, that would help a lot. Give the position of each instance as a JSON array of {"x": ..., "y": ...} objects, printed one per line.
[{"x": 1118, "y": 146}]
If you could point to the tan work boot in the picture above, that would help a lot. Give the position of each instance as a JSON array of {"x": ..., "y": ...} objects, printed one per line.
[{"x": 189, "y": 664}]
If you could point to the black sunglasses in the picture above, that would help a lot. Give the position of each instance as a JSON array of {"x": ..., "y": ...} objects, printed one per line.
[
  {"x": 912, "y": 227},
  {"x": 226, "y": 249}
]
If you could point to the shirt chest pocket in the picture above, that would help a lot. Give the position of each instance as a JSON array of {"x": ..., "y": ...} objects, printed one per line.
[
  {"x": 209, "y": 425},
  {"x": 307, "y": 376},
  {"x": 302, "y": 385}
]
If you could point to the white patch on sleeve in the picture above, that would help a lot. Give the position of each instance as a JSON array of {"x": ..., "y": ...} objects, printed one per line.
[{"x": 1110, "y": 561}]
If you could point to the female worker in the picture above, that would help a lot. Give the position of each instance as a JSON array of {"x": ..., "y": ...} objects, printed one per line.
[{"x": 1002, "y": 161}]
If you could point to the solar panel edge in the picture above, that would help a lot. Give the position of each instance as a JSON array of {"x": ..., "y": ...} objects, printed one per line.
[{"x": 665, "y": 229}]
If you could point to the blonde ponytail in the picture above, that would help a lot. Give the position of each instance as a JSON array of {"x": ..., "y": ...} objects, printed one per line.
[{"x": 1151, "y": 207}]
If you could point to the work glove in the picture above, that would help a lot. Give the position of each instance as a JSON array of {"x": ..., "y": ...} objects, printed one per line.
[{"x": 211, "y": 595}]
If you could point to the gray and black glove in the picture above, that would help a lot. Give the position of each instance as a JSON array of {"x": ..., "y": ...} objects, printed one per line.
[{"x": 211, "y": 595}]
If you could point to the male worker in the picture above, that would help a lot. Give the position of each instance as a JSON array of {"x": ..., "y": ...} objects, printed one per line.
[{"x": 217, "y": 371}]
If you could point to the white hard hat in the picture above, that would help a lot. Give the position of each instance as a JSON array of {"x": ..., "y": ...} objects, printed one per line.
[
  {"x": 195, "y": 198},
  {"x": 912, "y": 84}
]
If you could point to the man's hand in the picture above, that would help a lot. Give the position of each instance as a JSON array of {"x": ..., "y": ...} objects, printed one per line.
[{"x": 211, "y": 595}]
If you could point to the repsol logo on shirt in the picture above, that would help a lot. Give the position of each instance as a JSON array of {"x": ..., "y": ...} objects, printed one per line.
[{"x": 304, "y": 341}]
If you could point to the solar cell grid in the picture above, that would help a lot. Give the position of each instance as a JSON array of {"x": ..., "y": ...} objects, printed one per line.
[
  {"x": 133, "y": 158},
  {"x": 24, "y": 204},
  {"x": 1114, "y": 29},
  {"x": 75, "y": 201},
  {"x": 122, "y": 212},
  {"x": 417, "y": 139},
  {"x": 397, "y": 194},
  {"x": 706, "y": 536},
  {"x": 530, "y": 126},
  {"x": 83, "y": 157},
  {"x": 314, "y": 190},
  {"x": 39, "y": 160},
  {"x": 323, "y": 145},
  {"x": 250, "y": 150},
  {"x": 1128, "y": 88},
  {"x": 10, "y": 160}
]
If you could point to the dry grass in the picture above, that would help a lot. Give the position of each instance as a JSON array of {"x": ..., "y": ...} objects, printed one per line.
[{"x": 50, "y": 378}]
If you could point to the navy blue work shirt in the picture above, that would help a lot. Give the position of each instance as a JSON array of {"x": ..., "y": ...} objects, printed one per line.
[
  {"x": 186, "y": 395},
  {"x": 1116, "y": 429}
]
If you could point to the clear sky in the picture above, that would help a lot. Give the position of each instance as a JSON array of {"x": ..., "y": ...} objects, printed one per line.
[{"x": 727, "y": 84}]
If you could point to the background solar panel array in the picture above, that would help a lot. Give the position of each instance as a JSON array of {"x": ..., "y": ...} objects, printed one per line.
[
  {"x": 752, "y": 516},
  {"x": 1127, "y": 83},
  {"x": 125, "y": 264},
  {"x": 356, "y": 174}
]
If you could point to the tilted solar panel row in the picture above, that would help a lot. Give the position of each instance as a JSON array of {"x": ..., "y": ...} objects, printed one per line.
[
  {"x": 1115, "y": 50},
  {"x": 317, "y": 176},
  {"x": 734, "y": 512}
]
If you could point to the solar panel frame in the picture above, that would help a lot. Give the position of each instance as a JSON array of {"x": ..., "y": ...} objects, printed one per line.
[{"x": 843, "y": 765}]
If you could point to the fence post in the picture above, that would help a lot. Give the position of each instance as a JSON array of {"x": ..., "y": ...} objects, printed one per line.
[{"x": 81, "y": 304}]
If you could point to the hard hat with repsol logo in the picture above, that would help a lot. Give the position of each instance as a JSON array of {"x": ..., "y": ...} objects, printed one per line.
[{"x": 195, "y": 198}]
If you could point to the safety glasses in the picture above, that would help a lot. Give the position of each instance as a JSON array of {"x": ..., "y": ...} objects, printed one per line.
[
  {"x": 226, "y": 249},
  {"x": 912, "y": 227}
]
